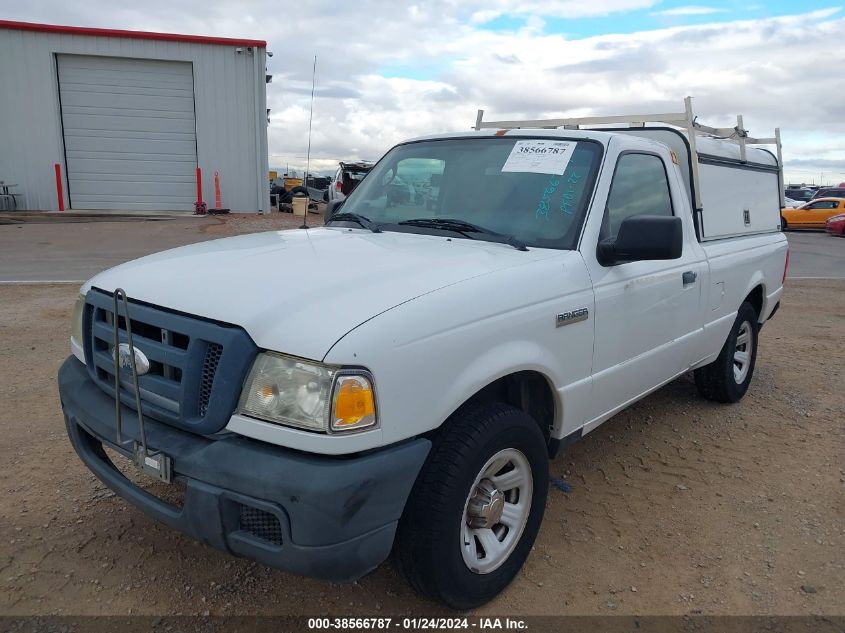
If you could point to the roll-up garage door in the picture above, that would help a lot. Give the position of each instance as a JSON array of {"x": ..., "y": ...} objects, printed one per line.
[{"x": 129, "y": 132}]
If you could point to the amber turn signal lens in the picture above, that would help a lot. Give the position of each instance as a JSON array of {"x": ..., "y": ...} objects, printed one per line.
[{"x": 354, "y": 403}]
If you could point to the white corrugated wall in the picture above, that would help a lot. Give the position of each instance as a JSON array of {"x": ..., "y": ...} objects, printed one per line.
[{"x": 230, "y": 107}]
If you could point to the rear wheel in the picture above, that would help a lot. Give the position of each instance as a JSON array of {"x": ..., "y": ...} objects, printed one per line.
[
  {"x": 728, "y": 377},
  {"x": 476, "y": 507}
]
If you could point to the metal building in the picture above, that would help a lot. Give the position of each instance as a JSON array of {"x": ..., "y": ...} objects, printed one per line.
[{"x": 129, "y": 116}]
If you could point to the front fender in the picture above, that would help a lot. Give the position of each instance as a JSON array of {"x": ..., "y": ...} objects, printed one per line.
[
  {"x": 430, "y": 355},
  {"x": 500, "y": 361}
]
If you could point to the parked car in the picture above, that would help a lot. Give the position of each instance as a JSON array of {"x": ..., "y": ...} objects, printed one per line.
[
  {"x": 346, "y": 178},
  {"x": 836, "y": 225},
  {"x": 812, "y": 215},
  {"x": 829, "y": 192},
  {"x": 408, "y": 392},
  {"x": 802, "y": 194}
]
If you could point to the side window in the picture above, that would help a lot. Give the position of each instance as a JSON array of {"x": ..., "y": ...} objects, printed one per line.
[{"x": 639, "y": 187}]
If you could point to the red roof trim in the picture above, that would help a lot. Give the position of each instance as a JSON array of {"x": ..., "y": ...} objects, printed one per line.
[{"x": 139, "y": 35}]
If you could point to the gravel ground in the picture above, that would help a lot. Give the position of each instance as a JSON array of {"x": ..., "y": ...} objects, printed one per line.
[
  {"x": 677, "y": 505},
  {"x": 237, "y": 223}
]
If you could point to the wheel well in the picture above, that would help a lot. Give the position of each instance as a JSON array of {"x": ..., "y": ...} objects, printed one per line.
[
  {"x": 525, "y": 390},
  {"x": 755, "y": 298}
]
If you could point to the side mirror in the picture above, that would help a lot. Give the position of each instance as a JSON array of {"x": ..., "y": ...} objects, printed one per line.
[
  {"x": 331, "y": 209},
  {"x": 643, "y": 237}
]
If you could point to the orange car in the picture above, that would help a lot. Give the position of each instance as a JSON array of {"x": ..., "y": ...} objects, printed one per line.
[{"x": 812, "y": 215}]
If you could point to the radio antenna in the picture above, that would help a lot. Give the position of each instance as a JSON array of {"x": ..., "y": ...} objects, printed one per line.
[{"x": 308, "y": 155}]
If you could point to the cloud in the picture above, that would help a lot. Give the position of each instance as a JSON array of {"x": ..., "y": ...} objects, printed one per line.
[
  {"x": 507, "y": 59},
  {"x": 325, "y": 92},
  {"x": 822, "y": 172},
  {"x": 630, "y": 60},
  {"x": 688, "y": 10},
  {"x": 819, "y": 163},
  {"x": 492, "y": 9}
]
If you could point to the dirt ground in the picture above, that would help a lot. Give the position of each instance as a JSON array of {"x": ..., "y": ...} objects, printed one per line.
[
  {"x": 54, "y": 247},
  {"x": 677, "y": 505}
]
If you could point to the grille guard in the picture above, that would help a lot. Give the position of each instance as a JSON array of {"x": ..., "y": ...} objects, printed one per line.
[{"x": 156, "y": 464}]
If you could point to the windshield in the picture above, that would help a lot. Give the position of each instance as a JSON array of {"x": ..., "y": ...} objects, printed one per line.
[
  {"x": 355, "y": 175},
  {"x": 533, "y": 189}
]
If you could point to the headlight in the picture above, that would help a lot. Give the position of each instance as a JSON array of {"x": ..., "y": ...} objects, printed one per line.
[
  {"x": 303, "y": 394},
  {"x": 76, "y": 320}
]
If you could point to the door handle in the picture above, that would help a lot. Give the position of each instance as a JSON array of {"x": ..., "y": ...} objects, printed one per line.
[{"x": 689, "y": 277}]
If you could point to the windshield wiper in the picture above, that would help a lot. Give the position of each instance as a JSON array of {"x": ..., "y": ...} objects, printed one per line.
[
  {"x": 465, "y": 228},
  {"x": 367, "y": 223}
]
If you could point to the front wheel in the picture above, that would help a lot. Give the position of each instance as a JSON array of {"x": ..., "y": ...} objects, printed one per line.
[
  {"x": 783, "y": 225},
  {"x": 476, "y": 506},
  {"x": 727, "y": 378}
]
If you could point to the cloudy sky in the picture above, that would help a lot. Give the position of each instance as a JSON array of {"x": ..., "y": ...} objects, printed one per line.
[{"x": 389, "y": 70}]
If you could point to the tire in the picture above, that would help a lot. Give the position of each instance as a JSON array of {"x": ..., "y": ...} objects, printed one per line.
[
  {"x": 726, "y": 379},
  {"x": 431, "y": 548},
  {"x": 296, "y": 190},
  {"x": 783, "y": 225}
]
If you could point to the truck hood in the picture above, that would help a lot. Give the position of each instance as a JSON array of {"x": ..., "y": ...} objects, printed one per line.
[{"x": 299, "y": 291}]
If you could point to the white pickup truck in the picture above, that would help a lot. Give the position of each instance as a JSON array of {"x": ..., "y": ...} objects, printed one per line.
[{"x": 403, "y": 386}]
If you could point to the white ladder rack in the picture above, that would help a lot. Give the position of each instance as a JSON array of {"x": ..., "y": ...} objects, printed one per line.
[{"x": 685, "y": 120}]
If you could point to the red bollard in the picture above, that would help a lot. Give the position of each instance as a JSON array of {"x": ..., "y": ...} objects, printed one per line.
[
  {"x": 59, "y": 193},
  {"x": 200, "y": 208},
  {"x": 199, "y": 185}
]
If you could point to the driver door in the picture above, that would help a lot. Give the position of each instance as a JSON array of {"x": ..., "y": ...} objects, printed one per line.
[
  {"x": 646, "y": 312},
  {"x": 815, "y": 214}
]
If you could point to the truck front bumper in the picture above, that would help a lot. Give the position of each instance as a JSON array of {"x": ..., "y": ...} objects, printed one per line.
[{"x": 332, "y": 518}]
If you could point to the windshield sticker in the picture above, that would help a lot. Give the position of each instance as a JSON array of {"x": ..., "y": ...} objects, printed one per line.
[{"x": 540, "y": 157}]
